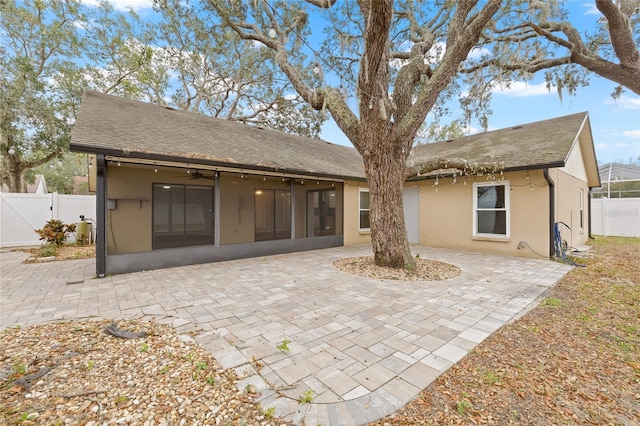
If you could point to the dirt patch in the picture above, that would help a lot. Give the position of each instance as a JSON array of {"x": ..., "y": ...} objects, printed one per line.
[
  {"x": 65, "y": 252},
  {"x": 70, "y": 252},
  {"x": 426, "y": 270}
]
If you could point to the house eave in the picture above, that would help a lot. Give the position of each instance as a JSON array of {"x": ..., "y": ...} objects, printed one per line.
[
  {"x": 551, "y": 165},
  {"x": 158, "y": 159}
]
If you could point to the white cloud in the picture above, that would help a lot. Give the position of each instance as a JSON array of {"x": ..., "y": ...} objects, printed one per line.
[
  {"x": 477, "y": 53},
  {"x": 590, "y": 9},
  {"x": 625, "y": 102},
  {"x": 523, "y": 89},
  {"x": 622, "y": 145},
  {"x": 472, "y": 130},
  {"x": 124, "y": 4},
  {"x": 602, "y": 146},
  {"x": 631, "y": 133},
  {"x": 436, "y": 53}
]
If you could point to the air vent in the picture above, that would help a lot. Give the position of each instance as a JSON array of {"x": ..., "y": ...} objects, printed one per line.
[{"x": 516, "y": 127}]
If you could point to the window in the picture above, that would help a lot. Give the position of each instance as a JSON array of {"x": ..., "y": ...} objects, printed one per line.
[
  {"x": 491, "y": 210},
  {"x": 182, "y": 215},
  {"x": 272, "y": 214},
  {"x": 364, "y": 210}
]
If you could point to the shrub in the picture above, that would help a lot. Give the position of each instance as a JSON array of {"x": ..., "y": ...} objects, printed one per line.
[{"x": 55, "y": 232}]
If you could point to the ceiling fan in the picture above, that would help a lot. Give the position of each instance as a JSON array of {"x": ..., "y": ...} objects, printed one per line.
[{"x": 197, "y": 175}]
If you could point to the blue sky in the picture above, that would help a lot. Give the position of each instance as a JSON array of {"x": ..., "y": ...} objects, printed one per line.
[{"x": 615, "y": 124}]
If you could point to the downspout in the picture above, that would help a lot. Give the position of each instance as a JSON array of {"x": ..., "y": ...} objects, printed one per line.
[
  {"x": 552, "y": 209},
  {"x": 101, "y": 214}
]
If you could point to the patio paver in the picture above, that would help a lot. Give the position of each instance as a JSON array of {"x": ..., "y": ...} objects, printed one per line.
[{"x": 365, "y": 347}]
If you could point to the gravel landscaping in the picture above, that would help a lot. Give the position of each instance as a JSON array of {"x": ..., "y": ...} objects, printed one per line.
[{"x": 96, "y": 378}]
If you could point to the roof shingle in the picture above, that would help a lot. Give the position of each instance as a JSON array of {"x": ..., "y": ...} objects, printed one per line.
[
  {"x": 108, "y": 123},
  {"x": 540, "y": 144}
]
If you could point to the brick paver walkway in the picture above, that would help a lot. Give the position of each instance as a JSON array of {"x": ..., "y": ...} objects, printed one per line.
[{"x": 364, "y": 347}]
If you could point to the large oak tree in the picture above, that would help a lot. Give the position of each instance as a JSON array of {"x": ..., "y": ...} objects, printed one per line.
[{"x": 400, "y": 60}]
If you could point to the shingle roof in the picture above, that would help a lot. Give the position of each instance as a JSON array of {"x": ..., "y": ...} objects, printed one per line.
[
  {"x": 120, "y": 127},
  {"x": 117, "y": 126},
  {"x": 617, "y": 172},
  {"x": 540, "y": 144}
]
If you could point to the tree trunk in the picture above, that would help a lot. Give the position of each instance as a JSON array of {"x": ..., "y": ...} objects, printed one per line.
[
  {"x": 16, "y": 182},
  {"x": 15, "y": 175},
  {"x": 384, "y": 166}
]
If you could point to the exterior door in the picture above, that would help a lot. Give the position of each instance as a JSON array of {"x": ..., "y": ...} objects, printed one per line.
[{"x": 411, "y": 205}]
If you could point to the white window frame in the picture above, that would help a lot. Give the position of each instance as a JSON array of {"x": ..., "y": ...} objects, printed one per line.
[
  {"x": 506, "y": 209},
  {"x": 360, "y": 209}
]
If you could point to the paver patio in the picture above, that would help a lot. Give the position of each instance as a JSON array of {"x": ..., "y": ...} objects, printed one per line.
[{"x": 364, "y": 347}]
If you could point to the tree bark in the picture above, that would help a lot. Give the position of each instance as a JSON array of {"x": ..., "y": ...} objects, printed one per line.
[
  {"x": 16, "y": 179},
  {"x": 384, "y": 166}
]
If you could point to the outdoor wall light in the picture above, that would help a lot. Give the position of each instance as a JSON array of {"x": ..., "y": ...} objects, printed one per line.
[{"x": 12, "y": 150}]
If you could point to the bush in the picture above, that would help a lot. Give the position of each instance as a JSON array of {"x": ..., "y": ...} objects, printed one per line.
[{"x": 56, "y": 232}]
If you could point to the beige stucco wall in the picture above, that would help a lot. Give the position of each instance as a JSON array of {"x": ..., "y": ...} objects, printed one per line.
[
  {"x": 446, "y": 216},
  {"x": 130, "y": 224},
  {"x": 93, "y": 172},
  {"x": 571, "y": 194},
  {"x": 575, "y": 165},
  {"x": 352, "y": 234}
]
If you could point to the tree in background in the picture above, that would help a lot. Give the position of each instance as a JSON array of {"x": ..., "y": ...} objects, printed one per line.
[
  {"x": 216, "y": 74},
  {"x": 51, "y": 51},
  {"x": 60, "y": 173},
  {"x": 37, "y": 52}
]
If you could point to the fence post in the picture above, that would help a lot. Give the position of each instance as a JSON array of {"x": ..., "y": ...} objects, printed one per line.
[
  {"x": 55, "y": 212},
  {"x": 605, "y": 217}
]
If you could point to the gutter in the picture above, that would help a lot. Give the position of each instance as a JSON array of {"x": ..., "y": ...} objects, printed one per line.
[
  {"x": 450, "y": 172},
  {"x": 552, "y": 208}
]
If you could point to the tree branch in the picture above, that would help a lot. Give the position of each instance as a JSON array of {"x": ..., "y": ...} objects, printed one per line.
[
  {"x": 455, "y": 53},
  {"x": 620, "y": 32}
]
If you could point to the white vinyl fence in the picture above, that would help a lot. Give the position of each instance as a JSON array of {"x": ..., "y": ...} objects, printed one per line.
[
  {"x": 615, "y": 216},
  {"x": 22, "y": 214}
]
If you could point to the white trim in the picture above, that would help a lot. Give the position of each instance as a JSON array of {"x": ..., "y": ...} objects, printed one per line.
[
  {"x": 360, "y": 209},
  {"x": 507, "y": 209}
]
